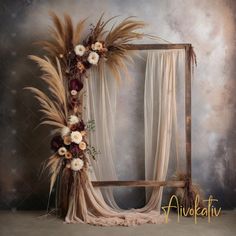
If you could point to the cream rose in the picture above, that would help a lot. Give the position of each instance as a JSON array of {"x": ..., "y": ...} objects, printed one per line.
[
  {"x": 73, "y": 120},
  {"x": 79, "y": 50},
  {"x": 93, "y": 58},
  {"x": 76, "y": 164},
  {"x": 76, "y": 137}
]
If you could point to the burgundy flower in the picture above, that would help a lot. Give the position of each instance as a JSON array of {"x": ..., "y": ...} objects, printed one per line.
[
  {"x": 81, "y": 126},
  {"x": 75, "y": 84},
  {"x": 56, "y": 143},
  {"x": 75, "y": 150},
  {"x": 74, "y": 127}
]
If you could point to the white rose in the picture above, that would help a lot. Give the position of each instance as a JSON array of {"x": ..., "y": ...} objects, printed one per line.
[
  {"x": 76, "y": 164},
  {"x": 65, "y": 131},
  {"x": 79, "y": 50},
  {"x": 73, "y": 120},
  {"x": 93, "y": 58},
  {"x": 62, "y": 151},
  {"x": 76, "y": 137}
]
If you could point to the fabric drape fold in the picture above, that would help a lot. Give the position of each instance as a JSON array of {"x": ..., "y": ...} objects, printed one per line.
[
  {"x": 160, "y": 116},
  {"x": 160, "y": 122},
  {"x": 100, "y": 106}
]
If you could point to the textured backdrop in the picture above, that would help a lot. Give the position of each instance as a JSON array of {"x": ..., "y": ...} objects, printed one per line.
[{"x": 208, "y": 24}]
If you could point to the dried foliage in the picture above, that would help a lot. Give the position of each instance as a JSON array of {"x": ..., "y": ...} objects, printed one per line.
[
  {"x": 54, "y": 109},
  {"x": 64, "y": 37},
  {"x": 70, "y": 55}
]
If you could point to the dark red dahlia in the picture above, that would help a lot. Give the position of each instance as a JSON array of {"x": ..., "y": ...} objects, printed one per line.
[
  {"x": 75, "y": 84},
  {"x": 81, "y": 125},
  {"x": 56, "y": 143}
]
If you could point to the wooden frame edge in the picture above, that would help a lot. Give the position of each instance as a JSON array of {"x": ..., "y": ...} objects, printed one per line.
[
  {"x": 188, "y": 118},
  {"x": 139, "y": 183}
]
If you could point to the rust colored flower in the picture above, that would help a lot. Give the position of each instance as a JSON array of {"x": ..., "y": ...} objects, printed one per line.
[
  {"x": 81, "y": 67},
  {"x": 68, "y": 155}
]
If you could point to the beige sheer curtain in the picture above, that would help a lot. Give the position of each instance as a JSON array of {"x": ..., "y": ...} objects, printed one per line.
[
  {"x": 160, "y": 111},
  {"x": 100, "y": 106},
  {"x": 162, "y": 72}
]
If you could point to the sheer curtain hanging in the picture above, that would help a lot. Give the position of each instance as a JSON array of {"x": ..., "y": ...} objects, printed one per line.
[
  {"x": 100, "y": 106},
  {"x": 162, "y": 70}
]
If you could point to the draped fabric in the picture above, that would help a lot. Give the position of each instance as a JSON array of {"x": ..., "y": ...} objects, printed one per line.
[
  {"x": 160, "y": 116},
  {"x": 89, "y": 204},
  {"x": 100, "y": 106}
]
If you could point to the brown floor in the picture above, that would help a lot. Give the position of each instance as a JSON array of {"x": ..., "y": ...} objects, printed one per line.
[{"x": 30, "y": 223}]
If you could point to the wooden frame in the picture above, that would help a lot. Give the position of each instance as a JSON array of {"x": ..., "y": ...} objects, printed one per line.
[{"x": 148, "y": 183}]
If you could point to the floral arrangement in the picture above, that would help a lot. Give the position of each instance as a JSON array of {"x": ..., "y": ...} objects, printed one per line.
[
  {"x": 72, "y": 143},
  {"x": 64, "y": 71}
]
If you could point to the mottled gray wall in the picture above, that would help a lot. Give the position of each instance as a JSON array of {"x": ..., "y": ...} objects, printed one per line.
[{"x": 208, "y": 24}]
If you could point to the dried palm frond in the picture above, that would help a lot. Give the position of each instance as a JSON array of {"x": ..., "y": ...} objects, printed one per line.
[
  {"x": 54, "y": 79},
  {"x": 124, "y": 32},
  {"x": 118, "y": 56},
  {"x": 63, "y": 37},
  {"x": 55, "y": 108},
  {"x": 62, "y": 33},
  {"x": 51, "y": 114},
  {"x": 98, "y": 31},
  {"x": 54, "y": 165},
  {"x": 78, "y": 31}
]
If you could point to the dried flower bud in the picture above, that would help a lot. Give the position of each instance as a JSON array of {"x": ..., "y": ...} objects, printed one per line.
[{"x": 73, "y": 92}]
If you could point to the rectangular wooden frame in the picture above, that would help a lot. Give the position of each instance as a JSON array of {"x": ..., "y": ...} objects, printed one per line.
[{"x": 151, "y": 183}]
